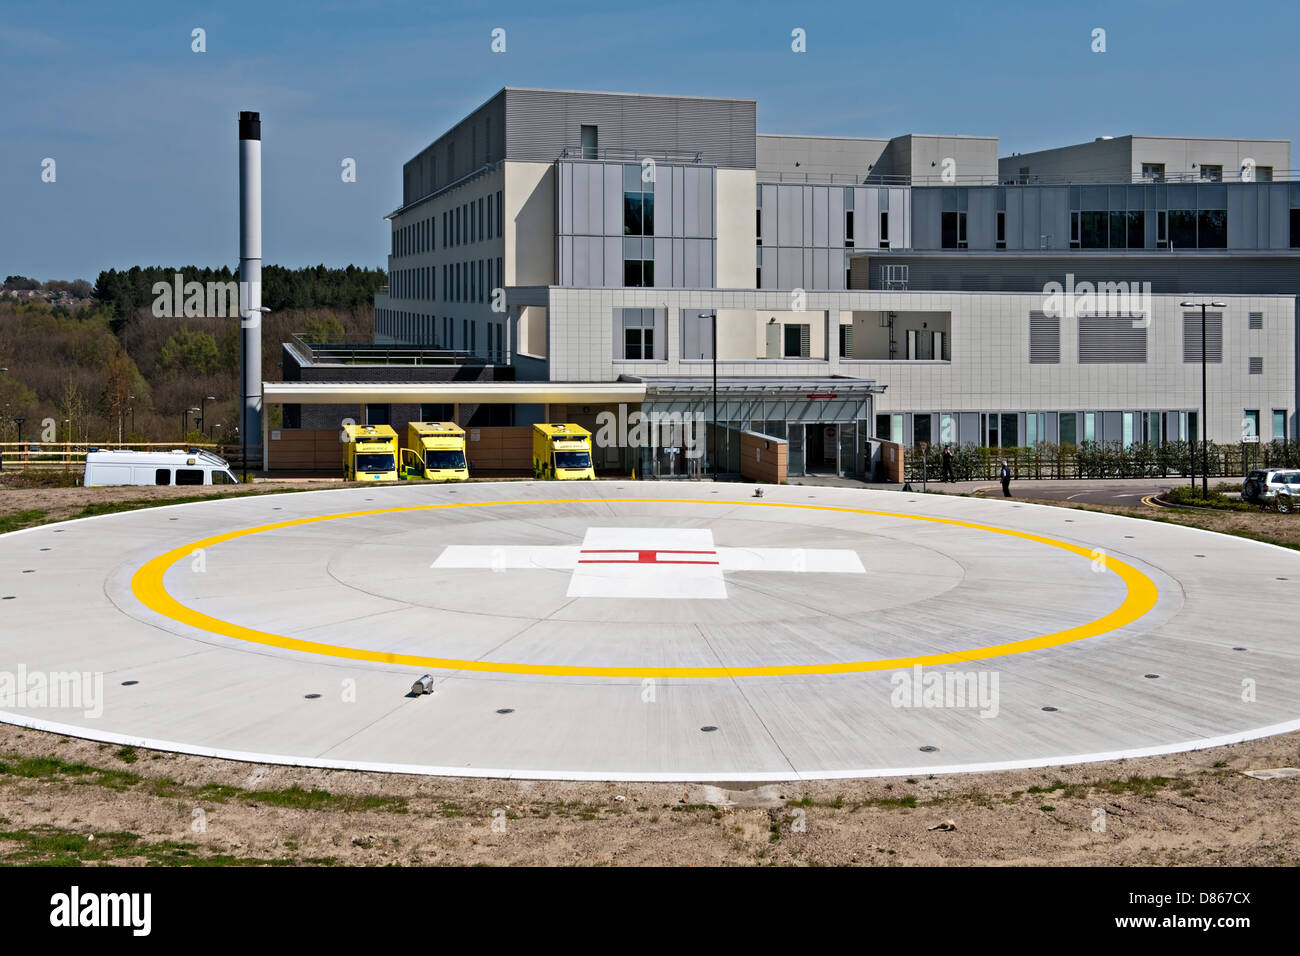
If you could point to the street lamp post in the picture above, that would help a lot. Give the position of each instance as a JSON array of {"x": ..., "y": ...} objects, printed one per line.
[
  {"x": 1205, "y": 427},
  {"x": 203, "y": 407}
]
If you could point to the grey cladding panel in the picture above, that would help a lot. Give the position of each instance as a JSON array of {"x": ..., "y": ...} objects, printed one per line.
[{"x": 541, "y": 123}]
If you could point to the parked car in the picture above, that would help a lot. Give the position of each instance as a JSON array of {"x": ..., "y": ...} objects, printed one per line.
[{"x": 1279, "y": 487}]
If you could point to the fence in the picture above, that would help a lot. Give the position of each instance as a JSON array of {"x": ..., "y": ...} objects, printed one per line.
[
  {"x": 1091, "y": 460},
  {"x": 66, "y": 456}
]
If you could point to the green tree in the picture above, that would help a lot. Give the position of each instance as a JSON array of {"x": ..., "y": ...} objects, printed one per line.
[{"x": 190, "y": 350}]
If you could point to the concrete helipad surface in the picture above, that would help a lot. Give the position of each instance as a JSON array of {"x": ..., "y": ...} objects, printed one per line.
[{"x": 647, "y": 630}]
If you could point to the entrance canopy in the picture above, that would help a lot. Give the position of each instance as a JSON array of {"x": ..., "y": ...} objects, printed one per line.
[{"x": 804, "y": 400}]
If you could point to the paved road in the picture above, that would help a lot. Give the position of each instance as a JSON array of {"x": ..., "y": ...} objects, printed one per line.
[
  {"x": 1119, "y": 491},
  {"x": 616, "y": 630}
]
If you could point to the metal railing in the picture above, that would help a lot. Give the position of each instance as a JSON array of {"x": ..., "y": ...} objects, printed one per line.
[
  {"x": 995, "y": 179},
  {"x": 65, "y": 456},
  {"x": 612, "y": 154},
  {"x": 365, "y": 351}
]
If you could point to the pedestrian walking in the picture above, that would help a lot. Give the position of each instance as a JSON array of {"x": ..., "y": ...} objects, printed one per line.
[
  {"x": 1005, "y": 476},
  {"x": 947, "y": 463}
]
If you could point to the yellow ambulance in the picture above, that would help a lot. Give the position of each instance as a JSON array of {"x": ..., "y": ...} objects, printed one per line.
[
  {"x": 562, "y": 452},
  {"x": 435, "y": 451},
  {"x": 369, "y": 453}
]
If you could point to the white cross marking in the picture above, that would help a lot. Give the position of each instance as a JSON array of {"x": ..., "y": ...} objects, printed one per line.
[{"x": 650, "y": 562}]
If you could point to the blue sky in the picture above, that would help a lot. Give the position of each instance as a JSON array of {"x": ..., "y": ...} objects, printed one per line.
[{"x": 143, "y": 130}]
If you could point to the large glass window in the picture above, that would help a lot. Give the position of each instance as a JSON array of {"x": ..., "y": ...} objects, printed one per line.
[
  {"x": 953, "y": 230},
  {"x": 1182, "y": 228},
  {"x": 1067, "y": 427},
  {"x": 1094, "y": 230},
  {"x": 1212, "y": 229}
]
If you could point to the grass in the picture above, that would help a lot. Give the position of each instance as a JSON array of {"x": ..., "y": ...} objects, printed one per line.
[
  {"x": 47, "y": 845},
  {"x": 21, "y": 519},
  {"x": 1217, "y": 500},
  {"x": 136, "y": 504},
  {"x": 295, "y": 797}
]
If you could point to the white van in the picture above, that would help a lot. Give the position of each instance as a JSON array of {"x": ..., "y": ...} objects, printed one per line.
[{"x": 174, "y": 467}]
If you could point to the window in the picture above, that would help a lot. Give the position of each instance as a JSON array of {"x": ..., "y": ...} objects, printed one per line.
[
  {"x": 795, "y": 338},
  {"x": 758, "y": 227},
  {"x": 480, "y": 218},
  {"x": 1135, "y": 225},
  {"x": 1182, "y": 228},
  {"x": 1000, "y": 241},
  {"x": 1249, "y": 424},
  {"x": 1210, "y": 173},
  {"x": 1263, "y": 174},
  {"x": 1295, "y": 228},
  {"x": 1067, "y": 428},
  {"x": 1153, "y": 172},
  {"x": 1279, "y": 424},
  {"x": 1094, "y": 230},
  {"x": 189, "y": 476},
  {"x": 223, "y": 478},
  {"x": 638, "y": 272},
  {"x": 1090, "y": 426},
  {"x": 1162, "y": 228},
  {"x": 501, "y": 215},
  {"x": 1212, "y": 229},
  {"x": 490, "y": 218},
  {"x": 635, "y": 334},
  {"x": 846, "y": 341},
  {"x": 953, "y": 230},
  {"x": 884, "y": 229},
  {"x": 589, "y": 142},
  {"x": 377, "y": 415},
  {"x": 848, "y": 228},
  {"x": 162, "y": 476}
]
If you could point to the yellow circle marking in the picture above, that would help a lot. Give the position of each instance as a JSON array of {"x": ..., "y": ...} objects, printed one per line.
[{"x": 147, "y": 585}]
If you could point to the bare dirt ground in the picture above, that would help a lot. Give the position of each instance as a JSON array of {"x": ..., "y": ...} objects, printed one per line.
[
  {"x": 64, "y": 800},
  {"x": 69, "y": 801}
]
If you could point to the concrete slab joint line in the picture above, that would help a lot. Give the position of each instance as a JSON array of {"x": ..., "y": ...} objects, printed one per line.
[{"x": 815, "y": 638}]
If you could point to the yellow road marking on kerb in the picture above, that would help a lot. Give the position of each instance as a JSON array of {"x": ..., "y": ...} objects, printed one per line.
[{"x": 147, "y": 585}]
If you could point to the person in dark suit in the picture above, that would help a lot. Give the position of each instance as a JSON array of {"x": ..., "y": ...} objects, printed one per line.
[
  {"x": 947, "y": 463},
  {"x": 1005, "y": 476}
]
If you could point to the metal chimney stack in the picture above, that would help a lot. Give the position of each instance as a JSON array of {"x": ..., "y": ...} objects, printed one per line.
[{"x": 250, "y": 279}]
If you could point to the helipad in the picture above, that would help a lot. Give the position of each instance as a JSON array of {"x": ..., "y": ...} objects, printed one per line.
[{"x": 650, "y": 631}]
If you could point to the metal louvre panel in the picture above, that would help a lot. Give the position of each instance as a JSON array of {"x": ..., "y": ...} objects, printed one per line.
[
  {"x": 1256, "y": 365},
  {"x": 1192, "y": 336},
  {"x": 1111, "y": 339},
  {"x": 1044, "y": 339},
  {"x": 1256, "y": 320}
]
